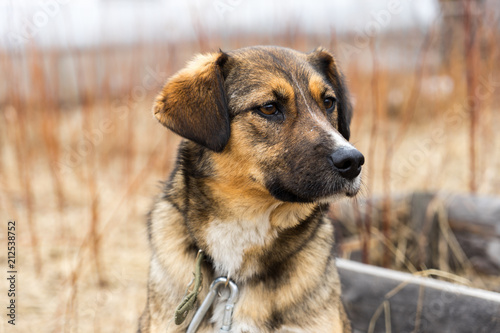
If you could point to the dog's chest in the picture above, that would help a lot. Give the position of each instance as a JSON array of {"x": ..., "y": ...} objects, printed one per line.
[
  {"x": 245, "y": 326},
  {"x": 229, "y": 241},
  {"x": 248, "y": 325},
  {"x": 237, "y": 326}
]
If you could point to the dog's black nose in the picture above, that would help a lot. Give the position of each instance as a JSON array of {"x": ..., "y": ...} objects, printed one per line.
[{"x": 347, "y": 162}]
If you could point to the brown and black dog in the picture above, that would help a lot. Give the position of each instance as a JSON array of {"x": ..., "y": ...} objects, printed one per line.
[{"x": 265, "y": 151}]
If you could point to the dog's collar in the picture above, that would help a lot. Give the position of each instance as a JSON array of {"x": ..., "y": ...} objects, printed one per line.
[
  {"x": 208, "y": 301},
  {"x": 189, "y": 300}
]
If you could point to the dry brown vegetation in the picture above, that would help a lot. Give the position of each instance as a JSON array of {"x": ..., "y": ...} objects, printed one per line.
[{"x": 81, "y": 156}]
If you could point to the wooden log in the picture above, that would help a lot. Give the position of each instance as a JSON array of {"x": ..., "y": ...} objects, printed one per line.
[
  {"x": 474, "y": 222},
  {"x": 476, "y": 214},
  {"x": 399, "y": 302}
]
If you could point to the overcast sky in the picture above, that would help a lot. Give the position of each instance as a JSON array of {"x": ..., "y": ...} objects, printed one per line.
[{"x": 91, "y": 22}]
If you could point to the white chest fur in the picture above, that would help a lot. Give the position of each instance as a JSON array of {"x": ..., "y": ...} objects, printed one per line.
[{"x": 228, "y": 241}]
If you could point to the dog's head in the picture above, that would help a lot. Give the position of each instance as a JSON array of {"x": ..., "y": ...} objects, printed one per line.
[{"x": 273, "y": 117}]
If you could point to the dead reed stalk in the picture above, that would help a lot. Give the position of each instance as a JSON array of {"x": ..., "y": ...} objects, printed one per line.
[
  {"x": 50, "y": 123},
  {"x": 24, "y": 159},
  {"x": 371, "y": 150},
  {"x": 23, "y": 155},
  {"x": 88, "y": 75},
  {"x": 471, "y": 69},
  {"x": 71, "y": 311}
]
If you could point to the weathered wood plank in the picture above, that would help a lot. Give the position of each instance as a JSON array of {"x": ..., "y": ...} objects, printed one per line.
[
  {"x": 473, "y": 220},
  {"x": 435, "y": 306}
]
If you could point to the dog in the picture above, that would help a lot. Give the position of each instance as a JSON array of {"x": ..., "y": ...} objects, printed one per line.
[{"x": 265, "y": 150}]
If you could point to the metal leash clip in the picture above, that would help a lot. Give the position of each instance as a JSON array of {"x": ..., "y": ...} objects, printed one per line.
[{"x": 209, "y": 300}]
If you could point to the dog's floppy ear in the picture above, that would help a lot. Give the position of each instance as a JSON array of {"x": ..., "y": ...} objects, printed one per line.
[
  {"x": 325, "y": 63},
  {"x": 193, "y": 102}
]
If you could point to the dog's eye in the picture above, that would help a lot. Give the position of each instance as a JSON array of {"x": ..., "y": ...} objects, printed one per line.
[
  {"x": 329, "y": 103},
  {"x": 269, "y": 109}
]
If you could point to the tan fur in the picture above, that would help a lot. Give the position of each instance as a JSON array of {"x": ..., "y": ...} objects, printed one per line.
[{"x": 250, "y": 191}]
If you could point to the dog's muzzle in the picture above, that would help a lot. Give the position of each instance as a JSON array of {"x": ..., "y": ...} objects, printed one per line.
[{"x": 347, "y": 162}]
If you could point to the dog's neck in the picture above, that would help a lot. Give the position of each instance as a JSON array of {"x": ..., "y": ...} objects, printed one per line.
[{"x": 237, "y": 232}]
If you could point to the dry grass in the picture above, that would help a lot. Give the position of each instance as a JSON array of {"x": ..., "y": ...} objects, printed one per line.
[{"x": 79, "y": 164}]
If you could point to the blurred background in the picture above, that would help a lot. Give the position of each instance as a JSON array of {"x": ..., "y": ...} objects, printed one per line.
[{"x": 81, "y": 156}]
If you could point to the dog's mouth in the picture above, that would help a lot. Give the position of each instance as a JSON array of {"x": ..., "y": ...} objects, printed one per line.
[
  {"x": 340, "y": 189},
  {"x": 353, "y": 188},
  {"x": 313, "y": 179},
  {"x": 321, "y": 189}
]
